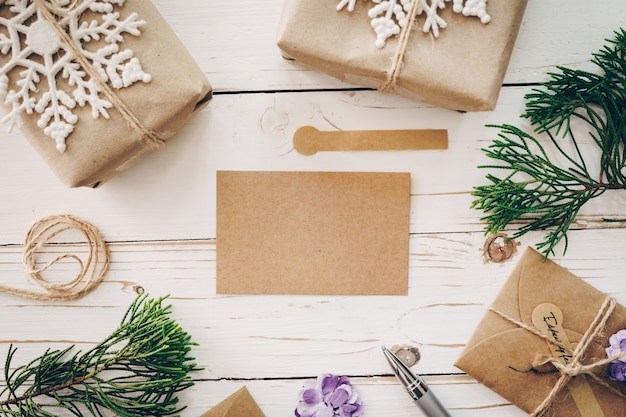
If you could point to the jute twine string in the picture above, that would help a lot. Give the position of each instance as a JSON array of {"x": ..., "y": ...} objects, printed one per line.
[
  {"x": 151, "y": 137},
  {"x": 391, "y": 78},
  {"x": 92, "y": 269},
  {"x": 575, "y": 367}
]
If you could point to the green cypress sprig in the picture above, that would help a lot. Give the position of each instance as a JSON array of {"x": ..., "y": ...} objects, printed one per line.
[
  {"x": 136, "y": 371},
  {"x": 540, "y": 192}
]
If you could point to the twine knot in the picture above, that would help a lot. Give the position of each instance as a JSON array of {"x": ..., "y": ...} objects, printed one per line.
[{"x": 574, "y": 368}]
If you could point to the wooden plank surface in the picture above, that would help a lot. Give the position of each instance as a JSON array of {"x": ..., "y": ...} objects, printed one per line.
[{"x": 159, "y": 220}]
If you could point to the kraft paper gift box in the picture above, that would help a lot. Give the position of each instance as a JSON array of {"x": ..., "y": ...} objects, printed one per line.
[
  {"x": 65, "y": 62},
  {"x": 463, "y": 69},
  {"x": 507, "y": 356},
  {"x": 238, "y": 404}
]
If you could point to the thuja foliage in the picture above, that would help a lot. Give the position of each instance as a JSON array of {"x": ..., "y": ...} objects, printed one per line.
[
  {"x": 547, "y": 176},
  {"x": 136, "y": 371}
]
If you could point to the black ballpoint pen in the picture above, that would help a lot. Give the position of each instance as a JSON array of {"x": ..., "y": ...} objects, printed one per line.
[{"x": 417, "y": 389}]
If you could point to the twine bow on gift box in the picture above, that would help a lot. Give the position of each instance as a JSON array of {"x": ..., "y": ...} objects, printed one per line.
[
  {"x": 47, "y": 9},
  {"x": 573, "y": 366}
]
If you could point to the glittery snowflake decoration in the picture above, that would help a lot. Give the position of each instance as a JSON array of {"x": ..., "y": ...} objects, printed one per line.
[
  {"x": 390, "y": 16},
  {"x": 43, "y": 71}
]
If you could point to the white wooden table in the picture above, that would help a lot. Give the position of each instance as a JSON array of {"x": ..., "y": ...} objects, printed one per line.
[{"x": 159, "y": 220}]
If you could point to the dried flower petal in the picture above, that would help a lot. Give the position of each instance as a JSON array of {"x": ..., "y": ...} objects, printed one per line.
[
  {"x": 338, "y": 397},
  {"x": 328, "y": 396},
  {"x": 311, "y": 396}
]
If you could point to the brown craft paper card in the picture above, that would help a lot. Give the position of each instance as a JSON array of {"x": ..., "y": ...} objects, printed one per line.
[
  {"x": 500, "y": 351},
  {"x": 239, "y": 404},
  {"x": 99, "y": 148},
  {"x": 463, "y": 69},
  {"x": 312, "y": 233}
]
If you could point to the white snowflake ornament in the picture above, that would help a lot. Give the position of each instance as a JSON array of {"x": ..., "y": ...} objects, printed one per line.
[
  {"x": 38, "y": 62},
  {"x": 388, "y": 17}
]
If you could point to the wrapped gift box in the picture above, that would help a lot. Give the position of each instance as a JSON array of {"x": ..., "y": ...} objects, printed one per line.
[
  {"x": 462, "y": 69},
  {"x": 95, "y": 84},
  {"x": 506, "y": 354}
]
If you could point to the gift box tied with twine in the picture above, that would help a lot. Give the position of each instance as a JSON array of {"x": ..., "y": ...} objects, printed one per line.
[
  {"x": 122, "y": 56},
  {"x": 462, "y": 69},
  {"x": 541, "y": 344}
]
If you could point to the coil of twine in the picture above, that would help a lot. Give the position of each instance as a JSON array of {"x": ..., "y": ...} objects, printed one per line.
[{"x": 92, "y": 269}]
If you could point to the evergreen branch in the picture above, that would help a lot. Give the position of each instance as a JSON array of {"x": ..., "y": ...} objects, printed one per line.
[
  {"x": 537, "y": 192},
  {"x": 136, "y": 371}
]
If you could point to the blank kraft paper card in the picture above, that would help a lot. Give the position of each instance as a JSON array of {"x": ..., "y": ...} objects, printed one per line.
[{"x": 312, "y": 233}]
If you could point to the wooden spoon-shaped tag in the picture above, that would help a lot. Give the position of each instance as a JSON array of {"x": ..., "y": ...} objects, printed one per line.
[{"x": 308, "y": 140}]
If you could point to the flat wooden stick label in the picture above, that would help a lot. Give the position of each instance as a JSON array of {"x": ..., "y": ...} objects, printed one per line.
[
  {"x": 308, "y": 140},
  {"x": 548, "y": 318}
]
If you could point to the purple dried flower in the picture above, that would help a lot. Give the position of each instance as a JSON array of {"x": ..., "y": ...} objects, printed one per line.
[
  {"x": 617, "y": 368},
  {"x": 329, "y": 396}
]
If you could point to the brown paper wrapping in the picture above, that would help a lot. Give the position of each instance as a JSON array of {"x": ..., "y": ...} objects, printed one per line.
[
  {"x": 238, "y": 404},
  {"x": 498, "y": 345},
  {"x": 463, "y": 69},
  {"x": 99, "y": 148}
]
